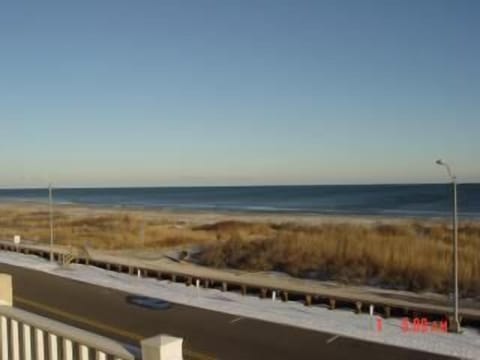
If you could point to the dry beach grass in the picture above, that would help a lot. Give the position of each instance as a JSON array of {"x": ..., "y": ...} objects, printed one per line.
[
  {"x": 411, "y": 256},
  {"x": 407, "y": 254}
]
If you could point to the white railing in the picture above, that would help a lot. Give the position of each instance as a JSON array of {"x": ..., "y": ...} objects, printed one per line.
[
  {"x": 34, "y": 336},
  {"x": 27, "y": 336}
]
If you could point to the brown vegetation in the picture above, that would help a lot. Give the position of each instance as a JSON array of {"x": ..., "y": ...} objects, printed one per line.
[
  {"x": 410, "y": 256},
  {"x": 414, "y": 256},
  {"x": 98, "y": 229}
]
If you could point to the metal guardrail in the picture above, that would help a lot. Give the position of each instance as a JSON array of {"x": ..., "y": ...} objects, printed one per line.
[{"x": 389, "y": 306}]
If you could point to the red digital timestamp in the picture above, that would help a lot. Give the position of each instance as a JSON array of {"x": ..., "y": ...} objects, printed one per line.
[
  {"x": 422, "y": 325},
  {"x": 418, "y": 325}
]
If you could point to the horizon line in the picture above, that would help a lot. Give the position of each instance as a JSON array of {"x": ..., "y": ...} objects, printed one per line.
[{"x": 83, "y": 187}]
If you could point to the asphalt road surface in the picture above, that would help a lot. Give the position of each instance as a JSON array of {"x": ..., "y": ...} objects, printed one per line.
[{"x": 207, "y": 334}]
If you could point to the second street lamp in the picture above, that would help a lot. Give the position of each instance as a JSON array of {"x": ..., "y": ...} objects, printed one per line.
[{"x": 455, "y": 323}]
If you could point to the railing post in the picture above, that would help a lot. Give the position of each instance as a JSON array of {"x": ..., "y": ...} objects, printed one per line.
[
  {"x": 84, "y": 355},
  {"x": 39, "y": 345},
  {"x": 17, "y": 327},
  {"x": 14, "y": 336},
  {"x": 6, "y": 299},
  {"x": 67, "y": 349},
  {"x": 162, "y": 347},
  {"x": 4, "y": 337},
  {"x": 27, "y": 342},
  {"x": 6, "y": 296},
  {"x": 53, "y": 347}
]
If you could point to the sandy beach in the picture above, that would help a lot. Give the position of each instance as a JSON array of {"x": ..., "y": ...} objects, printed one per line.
[{"x": 202, "y": 217}]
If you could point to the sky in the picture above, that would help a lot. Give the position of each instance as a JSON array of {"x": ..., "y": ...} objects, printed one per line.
[{"x": 162, "y": 93}]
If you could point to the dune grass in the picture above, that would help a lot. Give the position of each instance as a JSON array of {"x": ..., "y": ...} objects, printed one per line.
[
  {"x": 110, "y": 230},
  {"x": 410, "y": 255}
]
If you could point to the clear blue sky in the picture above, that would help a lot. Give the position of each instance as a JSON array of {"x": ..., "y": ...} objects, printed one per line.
[{"x": 238, "y": 92}]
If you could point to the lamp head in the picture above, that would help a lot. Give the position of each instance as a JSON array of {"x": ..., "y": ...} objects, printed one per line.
[{"x": 439, "y": 162}]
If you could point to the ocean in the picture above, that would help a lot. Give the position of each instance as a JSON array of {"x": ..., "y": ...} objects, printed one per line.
[{"x": 424, "y": 200}]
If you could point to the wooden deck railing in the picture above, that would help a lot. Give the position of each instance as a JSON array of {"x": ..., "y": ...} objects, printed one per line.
[{"x": 27, "y": 336}]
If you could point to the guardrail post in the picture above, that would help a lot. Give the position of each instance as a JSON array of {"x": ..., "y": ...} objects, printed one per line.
[
  {"x": 388, "y": 311},
  {"x": 308, "y": 300},
  {"x": 332, "y": 304},
  {"x": 263, "y": 293},
  {"x": 6, "y": 290},
  {"x": 162, "y": 347},
  {"x": 358, "y": 306},
  {"x": 244, "y": 289}
]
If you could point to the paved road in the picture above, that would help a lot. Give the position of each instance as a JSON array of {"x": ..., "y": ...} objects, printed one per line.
[{"x": 207, "y": 334}]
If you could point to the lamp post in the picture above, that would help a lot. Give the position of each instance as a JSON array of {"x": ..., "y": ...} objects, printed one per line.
[
  {"x": 50, "y": 211},
  {"x": 455, "y": 324}
]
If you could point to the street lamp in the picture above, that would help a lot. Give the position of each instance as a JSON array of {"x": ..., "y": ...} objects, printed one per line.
[
  {"x": 455, "y": 324},
  {"x": 50, "y": 211}
]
